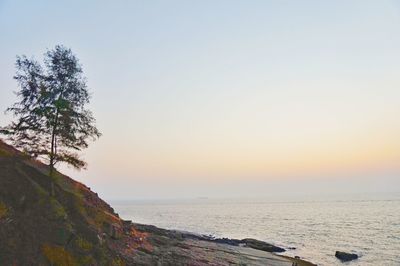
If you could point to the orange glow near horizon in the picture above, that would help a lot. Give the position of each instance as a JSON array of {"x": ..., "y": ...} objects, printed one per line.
[{"x": 373, "y": 150}]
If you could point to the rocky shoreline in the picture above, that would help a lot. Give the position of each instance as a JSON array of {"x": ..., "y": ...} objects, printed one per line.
[
  {"x": 246, "y": 242},
  {"x": 184, "y": 248}
]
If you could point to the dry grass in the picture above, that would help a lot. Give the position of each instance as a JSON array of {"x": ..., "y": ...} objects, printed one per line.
[
  {"x": 3, "y": 210},
  {"x": 83, "y": 244},
  {"x": 58, "y": 256}
]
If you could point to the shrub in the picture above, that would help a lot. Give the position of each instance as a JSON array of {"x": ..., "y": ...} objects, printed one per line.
[
  {"x": 58, "y": 209},
  {"x": 117, "y": 262},
  {"x": 3, "y": 210},
  {"x": 83, "y": 244},
  {"x": 58, "y": 256}
]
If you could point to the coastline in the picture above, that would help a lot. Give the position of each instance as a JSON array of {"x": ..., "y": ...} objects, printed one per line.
[
  {"x": 198, "y": 249},
  {"x": 76, "y": 227}
]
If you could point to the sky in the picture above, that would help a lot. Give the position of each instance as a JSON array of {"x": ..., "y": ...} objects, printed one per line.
[{"x": 226, "y": 98}]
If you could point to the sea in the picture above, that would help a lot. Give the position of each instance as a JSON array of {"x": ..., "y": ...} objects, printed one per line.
[{"x": 312, "y": 228}]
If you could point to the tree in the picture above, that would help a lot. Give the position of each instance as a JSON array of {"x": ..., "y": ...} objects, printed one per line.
[{"x": 52, "y": 121}]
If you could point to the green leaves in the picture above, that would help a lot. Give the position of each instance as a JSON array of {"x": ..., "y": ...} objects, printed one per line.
[
  {"x": 51, "y": 118},
  {"x": 61, "y": 104}
]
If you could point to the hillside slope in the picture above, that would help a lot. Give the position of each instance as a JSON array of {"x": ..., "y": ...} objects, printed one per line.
[
  {"x": 36, "y": 228},
  {"x": 76, "y": 227}
]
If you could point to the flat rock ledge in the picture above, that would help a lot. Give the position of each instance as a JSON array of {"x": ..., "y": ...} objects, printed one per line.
[
  {"x": 246, "y": 242},
  {"x": 173, "y": 247}
]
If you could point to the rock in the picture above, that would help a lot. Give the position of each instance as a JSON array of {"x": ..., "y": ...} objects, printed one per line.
[
  {"x": 247, "y": 242},
  {"x": 261, "y": 245},
  {"x": 115, "y": 231},
  {"x": 228, "y": 241},
  {"x": 344, "y": 256},
  {"x": 127, "y": 222},
  {"x": 100, "y": 239}
]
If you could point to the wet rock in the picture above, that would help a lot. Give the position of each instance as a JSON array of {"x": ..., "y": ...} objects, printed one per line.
[
  {"x": 344, "y": 256},
  {"x": 228, "y": 241},
  {"x": 261, "y": 245},
  {"x": 247, "y": 242}
]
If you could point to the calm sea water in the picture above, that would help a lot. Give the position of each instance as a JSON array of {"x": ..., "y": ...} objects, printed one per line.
[{"x": 316, "y": 228}]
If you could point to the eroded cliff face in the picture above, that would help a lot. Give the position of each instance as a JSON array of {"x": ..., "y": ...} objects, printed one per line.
[{"x": 76, "y": 227}]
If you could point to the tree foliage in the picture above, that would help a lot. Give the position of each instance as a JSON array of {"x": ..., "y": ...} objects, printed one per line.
[{"x": 52, "y": 121}]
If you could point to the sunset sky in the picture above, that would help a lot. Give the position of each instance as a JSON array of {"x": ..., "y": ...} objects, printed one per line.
[{"x": 226, "y": 98}]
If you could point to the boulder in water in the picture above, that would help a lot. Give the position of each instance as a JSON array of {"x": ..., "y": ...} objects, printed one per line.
[{"x": 344, "y": 256}]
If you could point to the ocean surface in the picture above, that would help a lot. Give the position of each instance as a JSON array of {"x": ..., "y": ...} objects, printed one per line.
[{"x": 368, "y": 226}]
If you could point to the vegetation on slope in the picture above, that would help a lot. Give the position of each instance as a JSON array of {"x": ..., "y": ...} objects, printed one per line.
[{"x": 71, "y": 228}]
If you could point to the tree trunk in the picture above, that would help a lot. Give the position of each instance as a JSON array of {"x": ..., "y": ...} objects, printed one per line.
[
  {"x": 52, "y": 192},
  {"x": 52, "y": 155}
]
